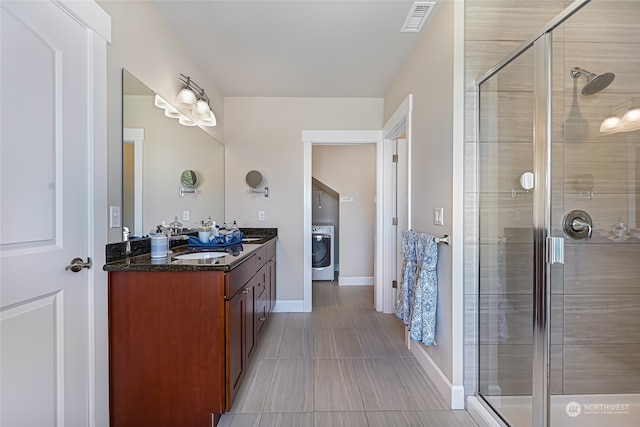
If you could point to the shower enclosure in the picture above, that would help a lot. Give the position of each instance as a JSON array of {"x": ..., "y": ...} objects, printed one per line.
[{"x": 558, "y": 201}]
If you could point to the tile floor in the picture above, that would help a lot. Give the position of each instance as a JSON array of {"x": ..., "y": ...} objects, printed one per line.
[{"x": 343, "y": 364}]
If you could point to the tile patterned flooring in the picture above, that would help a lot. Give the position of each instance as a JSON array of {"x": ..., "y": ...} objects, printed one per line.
[{"x": 343, "y": 364}]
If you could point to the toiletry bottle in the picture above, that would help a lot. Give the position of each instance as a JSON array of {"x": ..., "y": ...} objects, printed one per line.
[
  {"x": 234, "y": 226},
  {"x": 159, "y": 243}
]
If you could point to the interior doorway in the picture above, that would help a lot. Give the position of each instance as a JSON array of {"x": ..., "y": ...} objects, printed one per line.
[{"x": 384, "y": 270}]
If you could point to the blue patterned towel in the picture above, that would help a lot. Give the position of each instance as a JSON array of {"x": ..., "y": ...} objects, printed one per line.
[
  {"x": 221, "y": 241},
  {"x": 418, "y": 293}
]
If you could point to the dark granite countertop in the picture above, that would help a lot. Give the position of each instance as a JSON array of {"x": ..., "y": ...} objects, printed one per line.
[{"x": 237, "y": 254}]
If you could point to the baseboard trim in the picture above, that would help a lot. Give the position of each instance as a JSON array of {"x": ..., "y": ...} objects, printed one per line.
[
  {"x": 355, "y": 281},
  {"x": 453, "y": 394},
  {"x": 290, "y": 306},
  {"x": 480, "y": 414}
]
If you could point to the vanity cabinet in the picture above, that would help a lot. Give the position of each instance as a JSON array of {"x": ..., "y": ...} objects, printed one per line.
[
  {"x": 166, "y": 348},
  {"x": 240, "y": 325},
  {"x": 180, "y": 342}
]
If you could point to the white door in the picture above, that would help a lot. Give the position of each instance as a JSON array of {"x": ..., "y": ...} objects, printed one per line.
[{"x": 45, "y": 350}]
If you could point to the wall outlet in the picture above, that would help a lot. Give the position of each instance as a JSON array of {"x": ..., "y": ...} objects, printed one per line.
[
  {"x": 261, "y": 216},
  {"x": 185, "y": 215},
  {"x": 114, "y": 216}
]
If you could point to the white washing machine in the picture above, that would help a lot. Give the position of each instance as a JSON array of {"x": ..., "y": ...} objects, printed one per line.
[{"x": 322, "y": 252}]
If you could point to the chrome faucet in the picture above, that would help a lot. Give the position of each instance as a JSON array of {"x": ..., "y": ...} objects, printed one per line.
[{"x": 125, "y": 238}]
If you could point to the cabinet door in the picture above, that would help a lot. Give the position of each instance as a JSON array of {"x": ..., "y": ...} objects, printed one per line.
[
  {"x": 250, "y": 319},
  {"x": 261, "y": 317},
  {"x": 236, "y": 308},
  {"x": 271, "y": 277}
]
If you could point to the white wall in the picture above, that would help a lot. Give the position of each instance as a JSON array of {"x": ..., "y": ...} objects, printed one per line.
[
  {"x": 428, "y": 75},
  {"x": 351, "y": 171},
  {"x": 142, "y": 43},
  {"x": 265, "y": 134}
]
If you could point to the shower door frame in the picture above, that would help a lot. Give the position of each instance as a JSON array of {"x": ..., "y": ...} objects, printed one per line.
[{"x": 543, "y": 245}]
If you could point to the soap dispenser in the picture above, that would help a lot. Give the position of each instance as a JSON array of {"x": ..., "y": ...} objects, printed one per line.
[
  {"x": 160, "y": 242},
  {"x": 176, "y": 225}
]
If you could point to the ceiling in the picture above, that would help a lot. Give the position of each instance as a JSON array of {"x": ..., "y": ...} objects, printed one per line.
[{"x": 294, "y": 48}]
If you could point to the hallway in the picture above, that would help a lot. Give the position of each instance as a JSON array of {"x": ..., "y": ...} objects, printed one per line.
[{"x": 343, "y": 364}]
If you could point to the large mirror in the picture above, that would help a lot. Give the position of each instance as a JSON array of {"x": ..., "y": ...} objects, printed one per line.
[{"x": 156, "y": 151}]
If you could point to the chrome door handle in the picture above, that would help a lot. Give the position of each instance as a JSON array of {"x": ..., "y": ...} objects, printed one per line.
[{"x": 77, "y": 264}]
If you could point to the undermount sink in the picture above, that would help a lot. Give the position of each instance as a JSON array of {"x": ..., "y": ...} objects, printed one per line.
[{"x": 201, "y": 255}]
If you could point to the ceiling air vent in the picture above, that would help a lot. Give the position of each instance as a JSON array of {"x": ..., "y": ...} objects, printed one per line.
[{"x": 420, "y": 11}]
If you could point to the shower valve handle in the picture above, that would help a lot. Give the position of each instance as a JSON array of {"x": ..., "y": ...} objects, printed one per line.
[{"x": 577, "y": 224}]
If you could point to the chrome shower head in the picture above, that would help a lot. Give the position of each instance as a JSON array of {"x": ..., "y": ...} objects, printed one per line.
[{"x": 595, "y": 82}]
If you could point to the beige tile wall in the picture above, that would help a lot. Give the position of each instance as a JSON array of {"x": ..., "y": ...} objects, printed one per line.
[{"x": 596, "y": 295}]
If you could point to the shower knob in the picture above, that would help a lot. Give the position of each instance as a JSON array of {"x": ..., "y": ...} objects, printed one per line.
[{"x": 577, "y": 224}]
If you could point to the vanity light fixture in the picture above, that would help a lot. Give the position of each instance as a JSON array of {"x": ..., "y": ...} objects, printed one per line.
[{"x": 191, "y": 97}]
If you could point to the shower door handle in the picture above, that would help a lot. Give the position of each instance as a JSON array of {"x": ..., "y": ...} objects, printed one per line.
[
  {"x": 578, "y": 224},
  {"x": 555, "y": 250}
]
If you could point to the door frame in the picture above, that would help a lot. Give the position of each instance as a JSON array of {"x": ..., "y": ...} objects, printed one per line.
[
  {"x": 398, "y": 124},
  {"x": 98, "y": 24},
  {"x": 383, "y": 268},
  {"x": 135, "y": 136},
  {"x": 334, "y": 137}
]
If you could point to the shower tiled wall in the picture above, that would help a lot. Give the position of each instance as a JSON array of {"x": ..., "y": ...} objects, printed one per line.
[{"x": 596, "y": 295}]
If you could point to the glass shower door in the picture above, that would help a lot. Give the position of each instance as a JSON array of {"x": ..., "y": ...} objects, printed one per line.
[
  {"x": 505, "y": 236},
  {"x": 597, "y": 172}
]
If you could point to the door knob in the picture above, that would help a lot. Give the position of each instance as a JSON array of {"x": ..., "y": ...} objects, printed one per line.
[
  {"x": 577, "y": 224},
  {"x": 77, "y": 264}
]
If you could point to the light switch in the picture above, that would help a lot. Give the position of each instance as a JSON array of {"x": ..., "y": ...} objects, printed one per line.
[
  {"x": 114, "y": 216},
  {"x": 438, "y": 216}
]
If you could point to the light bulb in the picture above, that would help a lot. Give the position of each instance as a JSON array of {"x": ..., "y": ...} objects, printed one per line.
[
  {"x": 186, "y": 98},
  {"x": 202, "y": 109},
  {"x": 631, "y": 120},
  {"x": 611, "y": 125}
]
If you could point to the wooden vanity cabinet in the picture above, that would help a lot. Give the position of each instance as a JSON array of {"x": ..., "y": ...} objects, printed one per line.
[
  {"x": 166, "y": 335},
  {"x": 180, "y": 342},
  {"x": 240, "y": 325}
]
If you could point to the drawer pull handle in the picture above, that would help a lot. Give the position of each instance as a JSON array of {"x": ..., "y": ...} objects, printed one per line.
[
  {"x": 246, "y": 290},
  {"x": 262, "y": 319}
]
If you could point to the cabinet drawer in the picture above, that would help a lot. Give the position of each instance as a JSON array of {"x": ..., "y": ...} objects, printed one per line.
[
  {"x": 271, "y": 249},
  {"x": 239, "y": 276},
  {"x": 262, "y": 256}
]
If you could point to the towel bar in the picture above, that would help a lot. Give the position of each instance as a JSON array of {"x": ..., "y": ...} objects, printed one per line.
[{"x": 444, "y": 239}]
